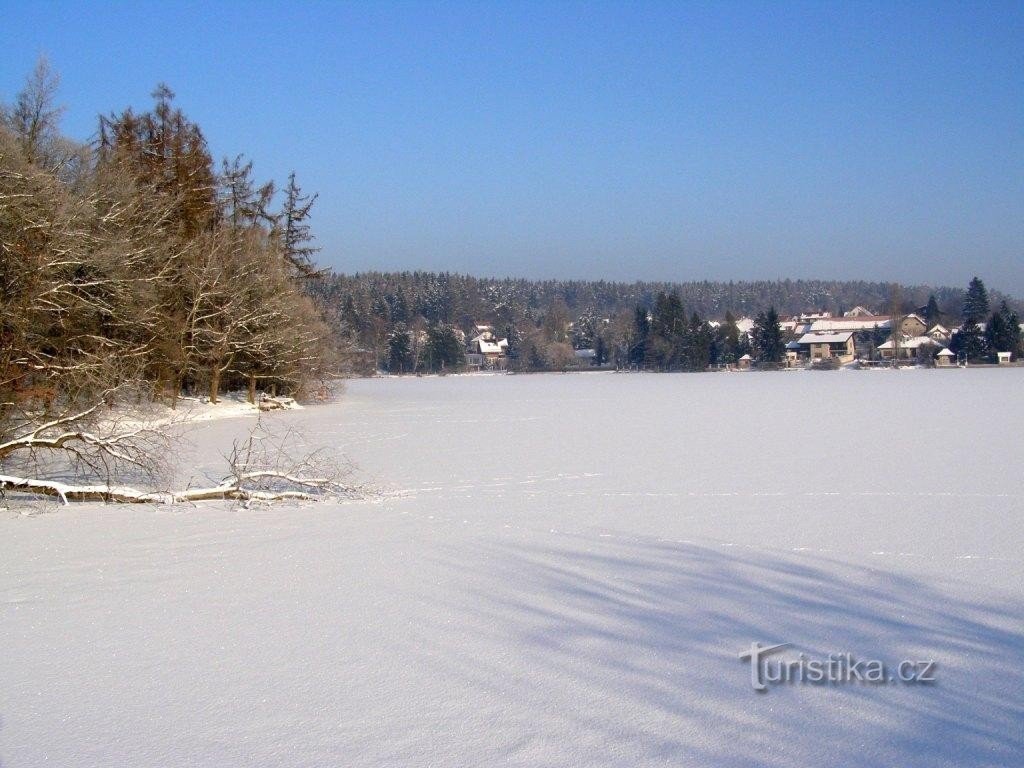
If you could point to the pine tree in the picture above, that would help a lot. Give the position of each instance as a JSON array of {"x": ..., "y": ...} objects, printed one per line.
[
  {"x": 1002, "y": 333},
  {"x": 400, "y": 352},
  {"x": 641, "y": 336},
  {"x": 969, "y": 343},
  {"x": 975, "y": 302},
  {"x": 294, "y": 230},
  {"x": 768, "y": 343},
  {"x": 932, "y": 314}
]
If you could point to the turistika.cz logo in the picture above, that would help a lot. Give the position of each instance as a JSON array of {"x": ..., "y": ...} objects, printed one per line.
[{"x": 834, "y": 669}]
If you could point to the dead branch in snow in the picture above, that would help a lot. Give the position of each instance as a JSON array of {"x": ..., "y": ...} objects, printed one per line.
[{"x": 262, "y": 467}]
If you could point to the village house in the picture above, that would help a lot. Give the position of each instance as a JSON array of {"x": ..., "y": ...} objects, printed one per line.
[
  {"x": 486, "y": 351},
  {"x": 940, "y": 333},
  {"x": 913, "y": 325},
  {"x": 859, "y": 311},
  {"x": 824, "y": 346},
  {"x": 945, "y": 358},
  {"x": 910, "y": 347}
]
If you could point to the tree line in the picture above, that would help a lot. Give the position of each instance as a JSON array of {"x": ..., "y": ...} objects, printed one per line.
[{"x": 406, "y": 320}]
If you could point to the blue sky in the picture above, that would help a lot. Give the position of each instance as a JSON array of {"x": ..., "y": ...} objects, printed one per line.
[{"x": 725, "y": 140}]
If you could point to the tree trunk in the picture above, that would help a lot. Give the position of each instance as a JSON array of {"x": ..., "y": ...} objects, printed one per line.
[
  {"x": 214, "y": 383},
  {"x": 252, "y": 388}
]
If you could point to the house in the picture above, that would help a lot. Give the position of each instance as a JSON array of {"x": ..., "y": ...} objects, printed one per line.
[
  {"x": 912, "y": 325},
  {"x": 823, "y": 346},
  {"x": 940, "y": 333},
  {"x": 744, "y": 363},
  {"x": 859, "y": 311},
  {"x": 485, "y": 350},
  {"x": 792, "y": 354},
  {"x": 910, "y": 347},
  {"x": 1003, "y": 358},
  {"x": 855, "y": 324},
  {"x": 745, "y": 325},
  {"x": 945, "y": 358}
]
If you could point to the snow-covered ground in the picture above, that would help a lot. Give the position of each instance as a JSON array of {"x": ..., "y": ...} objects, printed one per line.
[{"x": 558, "y": 570}]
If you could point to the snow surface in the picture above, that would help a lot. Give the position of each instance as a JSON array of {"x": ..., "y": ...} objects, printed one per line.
[{"x": 558, "y": 570}]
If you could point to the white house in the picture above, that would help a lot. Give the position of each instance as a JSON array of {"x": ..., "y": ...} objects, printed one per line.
[
  {"x": 909, "y": 347},
  {"x": 823, "y": 346}
]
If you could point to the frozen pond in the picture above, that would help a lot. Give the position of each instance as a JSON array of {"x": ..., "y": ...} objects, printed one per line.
[{"x": 559, "y": 570}]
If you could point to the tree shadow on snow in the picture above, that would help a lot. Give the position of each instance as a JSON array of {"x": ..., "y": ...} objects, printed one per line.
[{"x": 629, "y": 648}]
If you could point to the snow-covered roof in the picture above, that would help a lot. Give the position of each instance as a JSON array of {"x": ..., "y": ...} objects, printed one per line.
[
  {"x": 859, "y": 311},
  {"x": 746, "y": 357},
  {"x": 825, "y": 338},
  {"x": 745, "y": 325},
  {"x": 864, "y": 323},
  {"x": 946, "y": 353},
  {"x": 491, "y": 347},
  {"x": 938, "y": 329},
  {"x": 792, "y": 345},
  {"x": 910, "y": 342}
]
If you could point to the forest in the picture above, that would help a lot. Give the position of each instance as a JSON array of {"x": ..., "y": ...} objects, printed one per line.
[{"x": 404, "y": 319}]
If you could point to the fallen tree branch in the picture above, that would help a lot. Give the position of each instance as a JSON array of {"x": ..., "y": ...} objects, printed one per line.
[{"x": 316, "y": 488}]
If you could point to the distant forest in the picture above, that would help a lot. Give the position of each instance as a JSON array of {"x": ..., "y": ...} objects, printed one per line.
[{"x": 547, "y": 316}]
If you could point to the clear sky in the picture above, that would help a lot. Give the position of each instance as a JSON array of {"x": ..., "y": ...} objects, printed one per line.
[{"x": 723, "y": 140}]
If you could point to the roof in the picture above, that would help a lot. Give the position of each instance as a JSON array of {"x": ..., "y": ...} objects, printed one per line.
[
  {"x": 825, "y": 338},
  {"x": 491, "y": 347},
  {"x": 746, "y": 357},
  {"x": 859, "y": 311},
  {"x": 946, "y": 353},
  {"x": 864, "y": 323},
  {"x": 911, "y": 342},
  {"x": 792, "y": 345}
]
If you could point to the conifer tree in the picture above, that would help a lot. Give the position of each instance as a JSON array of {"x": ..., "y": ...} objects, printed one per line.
[
  {"x": 768, "y": 344},
  {"x": 975, "y": 302},
  {"x": 295, "y": 232},
  {"x": 932, "y": 314}
]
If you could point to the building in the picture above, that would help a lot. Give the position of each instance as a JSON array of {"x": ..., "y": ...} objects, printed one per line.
[
  {"x": 910, "y": 347},
  {"x": 940, "y": 333},
  {"x": 744, "y": 363},
  {"x": 824, "y": 346},
  {"x": 859, "y": 311},
  {"x": 913, "y": 325},
  {"x": 855, "y": 324},
  {"x": 945, "y": 358},
  {"x": 485, "y": 350},
  {"x": 792, "y": 354},
  {"x": 1003, "y": 358}
]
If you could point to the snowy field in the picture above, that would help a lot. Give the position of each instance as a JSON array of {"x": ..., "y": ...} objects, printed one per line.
[{"x": 558, "y": 570}]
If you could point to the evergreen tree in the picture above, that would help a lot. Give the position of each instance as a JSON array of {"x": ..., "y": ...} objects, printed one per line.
[
  {"x": 400, "y": 358},
  {"x": 443, "y": 351},
  {"x": 932, "y": 314},
  {"x": 969, "y": 343},
  {"x": 600, "y": 351},
  {"x": 641, "y": 336},
  {"x": 294, "y": 230},
  {"x": 975, "y": 302},
  {"x": 768, "y": 343},
  {"x": 1003, "y": 331}
]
